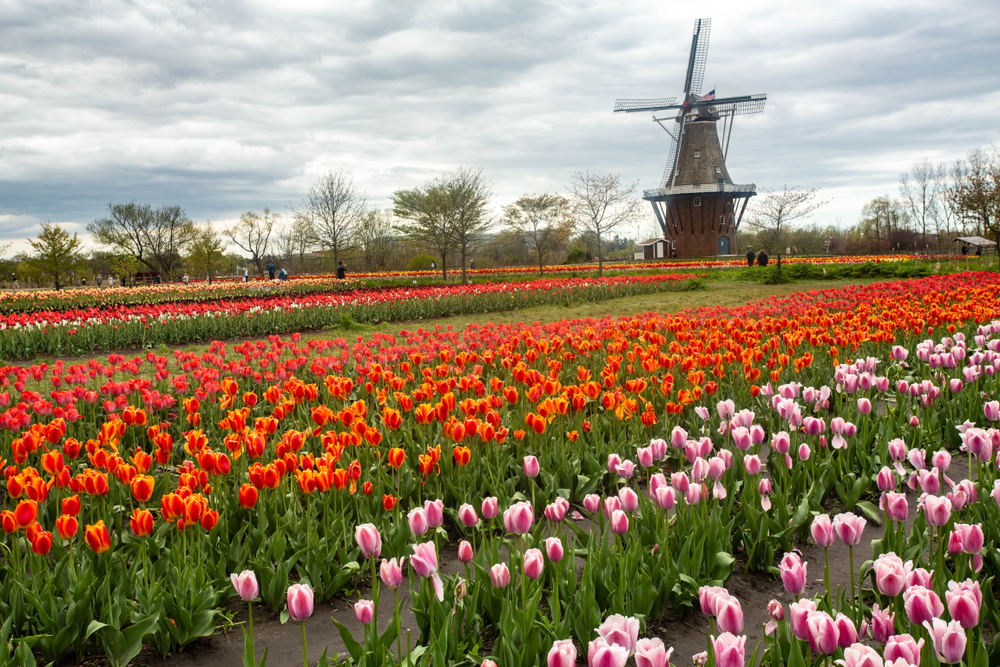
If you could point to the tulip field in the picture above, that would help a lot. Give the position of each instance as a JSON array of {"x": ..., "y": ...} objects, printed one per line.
[{"x": 597, "y": 480}]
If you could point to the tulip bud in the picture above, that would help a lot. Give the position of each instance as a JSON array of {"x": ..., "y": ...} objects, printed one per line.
[
  {"x": 364, "y": 611},
  {"x": 531, "y": 467},
  {"x": 465, "y": 554},
  {"x": 554, "y": 549},
  {"x": 467, "y": 515},
  {"x": 490, "y": 508},
  {"x": 300, "y": 602},
  {"x": 533, "y": 563}
]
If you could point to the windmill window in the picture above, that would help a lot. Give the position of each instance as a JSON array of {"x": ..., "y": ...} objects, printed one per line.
[
  {"x": 718, "y": 170},
  {"x": 697, "y": 201},
  {"x": 697, "y": 153}
]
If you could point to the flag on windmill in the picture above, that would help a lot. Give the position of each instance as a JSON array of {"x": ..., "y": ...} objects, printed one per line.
[{"x": 710, "y": 95}]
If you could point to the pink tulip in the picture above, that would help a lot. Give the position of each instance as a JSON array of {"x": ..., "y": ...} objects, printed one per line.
[
  {"x": 752, "y": 464},
  {"x": 864, "y": 406},
  {"x": 822, "y": 531},
  {"x": 886, "y": 479},
  {"x": 364, "y": 611},
  {"x": 941, "y": 460},
  {"x": 664, "y": 498},
  {"x": 937, "y": 509},
  {"x": 890, "y": 574},
  {"x": 971, "y": 536},
  {"x": 591, "y": 502},
  {"x": 963, "y": 604},
  {"x": 391, "y": 572},
  {"x": 613, "y": 462},
  {"x": 555, "y": 512},
  {"x": 804, "y": 452},
  {"x": 921, "y": 604},
  {"x": 726, "y": 409},
  {"x": 847, "y": 634},
  {"x": 562, "y": 654},
  {"x": 917, "y": 576},
  {"x": 914, "y": 421},
  {"x": 859, "y": 655},
  {"x": 658, "y": 447},
  {"x": 554, "y": 549},
  {"x": 896, "y": 506},
  {"x": 610, "y": 505},
  {"x": 680, "y": 482},
  {"x": 602, "y": 654},
  {"x": 645, "y": 456},
  {"x": 518, "y": 518},
  {"x": 849, "y": 528},
  {"x": 435, "y": 512},
  {"x": 702, "y": 412},
  {"x": 813, "y": 426},
  {"x": 652, "y": 653},
  {"x": 700, "y": 659},
  {"x": 729, "y": 650},
  {"x": 700, "y": 469},
  {"x": 883, "y": 624},
  {"x": 903, "y": 646},
  {"x": 728, "y": 614},
  {"x": 780, "y": 442},
  {"x": 899, "y": 353},
  {"x": 929, "y": 481},
  {"x": 628, "y": 499},
  {"x": 465, "y": 554},
  {"x": 823, "y": 634},
  {"x": 417, "y": 519},
  {"x": 775, "y": 611},
  {"x": 707, "y": 596},
  {"x": 467, "y": 515},
  {"x": 799, "y": 613},
  {"x": 716, "y": 468},
  {"x": 488, "y": 663},
  {"x": 621, "y": 631},
  {"x": 955, "y": 385},
  {"x": 992, "y": 410},
  {"x": 793, "y": 573},
  {"x": 741, "y": 438},
  {"x": 948, "y": 640},
  {"x": 424, "y": 560},
  {"x": 490, "y": 508},
  {"x": 245, "y": 584},
  {"x": 678, "y": 437},
  {"x": 300, "y": 602},
  {"x": 531, "y": 467},
  {"x": 695, "y": 494},
  {"x": 757, "y": 434},
  {"x": 369, "y": 539},
  {"x": 500, "y": 575},
  {"x": 619, "y": 522},
  {"x": 954, "y": 543},
  {"x": 533, "y": 563}
]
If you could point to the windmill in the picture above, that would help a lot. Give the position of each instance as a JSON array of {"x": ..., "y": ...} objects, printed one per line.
[{"x": 696, "y": 202}]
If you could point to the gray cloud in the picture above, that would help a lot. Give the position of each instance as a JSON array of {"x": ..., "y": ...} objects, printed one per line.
[{"x": 223, "y": 107}]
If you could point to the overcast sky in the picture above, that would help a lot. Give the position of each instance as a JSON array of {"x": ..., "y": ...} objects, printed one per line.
[{"x": 224, "y": 107}]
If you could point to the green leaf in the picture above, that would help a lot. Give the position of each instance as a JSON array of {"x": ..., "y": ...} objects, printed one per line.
[
  {"x": 870, "y": 511},
  {"x": 353, "y": 647}
]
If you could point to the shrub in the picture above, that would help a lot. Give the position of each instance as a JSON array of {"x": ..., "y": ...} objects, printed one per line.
[{"x": 420, "y": 263}]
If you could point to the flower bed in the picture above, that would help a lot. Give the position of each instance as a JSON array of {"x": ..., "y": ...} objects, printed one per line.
[{"x": 137, "y": 486}]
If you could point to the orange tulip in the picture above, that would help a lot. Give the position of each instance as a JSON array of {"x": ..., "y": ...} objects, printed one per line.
[
  {"x": 41, "y": 543},
  {"x": 392, "y": 419},
  {"x": 142, "y": 488},
  {"x": 141, "y": 522},
  {"x": 52, "y": 462},
  {"x": 249, "y": 399},
  {"x": 248, "y": 496},
  {"x": 209, "y": 518},
  {"x": 171, "y": 507},
  {"x": 367, "y": 488},
  {"x": 8, "y": 522},
  {"x": 396, "y": 457},
  {"x": 97, "y": 537},
  {"x": 461, "y": 455},
  {"x": 388, "y": 502},
  {"x": 26, "y": 513},
  {"x": 67, "y": 526}
]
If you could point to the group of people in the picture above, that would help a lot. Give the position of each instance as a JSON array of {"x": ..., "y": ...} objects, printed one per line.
[
  {"x": 979, "y": 250},
  {"x": 761, "y": 257},
  {"x": 282, "y": 274}
]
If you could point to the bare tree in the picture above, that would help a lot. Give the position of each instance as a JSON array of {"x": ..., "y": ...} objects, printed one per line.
[
  {"x": 944, "y": 213},
  {"x": 375, "y": 235},
  {"x": 917, "y": 190},
  {"x": 467, "y": 197},
  {"x": 252, "y": 235},
  {"x": 772, "y": 213},
  {"x": 977, "y": 193},
  {"x": 156, "y": 237},
  {"x": 333, "y": 208},
  {"x": 294, "y": 241},
  {"x": 543, "y": 221},
  {"x": 600, "y": 204}
]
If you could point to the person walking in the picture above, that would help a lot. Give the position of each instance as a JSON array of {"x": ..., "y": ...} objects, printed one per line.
[
  {"x": 270, "y": 270},
  {"x": 282, "y": 275},
  {"x": 762, "y": 258},
  {"x": 100, "y": 280},
  {"x": 13, "y": 279},
  {"x": 341, "y": 270},
  {"x": 750, "y": 256},
  {"x": 246, "y": 275},
  {"x": 795, "y": 251},
  {"x": 186, "y": 279}
]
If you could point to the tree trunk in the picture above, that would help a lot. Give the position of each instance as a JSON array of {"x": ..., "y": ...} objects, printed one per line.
[
  {"x": 600, "y": 258},
  {"x": 541, "y": 270},
  {"x": 444, "y": 266},
  {"x": 463, "y": 267}
]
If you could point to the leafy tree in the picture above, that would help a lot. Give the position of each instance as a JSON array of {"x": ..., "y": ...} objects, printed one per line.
[
  {"x": 55, "y": 252},
  {"x": 771, "y": 214},
  {"x": 205, "y": 252},
  {"x": 543, "y": 220},
  {"x": 333, "y": 208},
  {"x": 294, "y": 241},
  {"x": 155, "y": 236},
  {"x": 600, "y": 205},
  {"x": 252, "y": 235},
  {"x": 428, "y": 212}
]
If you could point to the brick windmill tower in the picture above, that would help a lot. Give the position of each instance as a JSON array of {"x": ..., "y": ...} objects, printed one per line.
[{"x": 697, "y": 205}]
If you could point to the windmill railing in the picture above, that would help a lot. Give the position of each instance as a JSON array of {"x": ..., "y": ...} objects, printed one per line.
[{"x": 739, "y": 190}]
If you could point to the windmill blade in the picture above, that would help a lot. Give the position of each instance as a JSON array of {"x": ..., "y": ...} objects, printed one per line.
[
  {"x": 736, "y": 106},
  {"x": 698, "y": 57},
  {"x": 672, "y": 155},
  {"x": 633, "y": 106}
]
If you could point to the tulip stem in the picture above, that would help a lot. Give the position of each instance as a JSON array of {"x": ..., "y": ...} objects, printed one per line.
[
  {"x": 854, "y": 608},
  {"x": 305, "y": 652},
  {"x": 826, "y": 577},
  {"x": 253, "y": 648},
  {"x": 555, "y": 592},
  {"x": 399, "y": 630}
]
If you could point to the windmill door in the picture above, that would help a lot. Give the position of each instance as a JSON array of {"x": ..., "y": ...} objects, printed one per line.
[{"x": 724, "y": 245}]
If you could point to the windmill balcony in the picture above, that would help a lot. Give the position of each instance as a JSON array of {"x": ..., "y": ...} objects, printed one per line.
[{"x": 738, "y": 190}]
